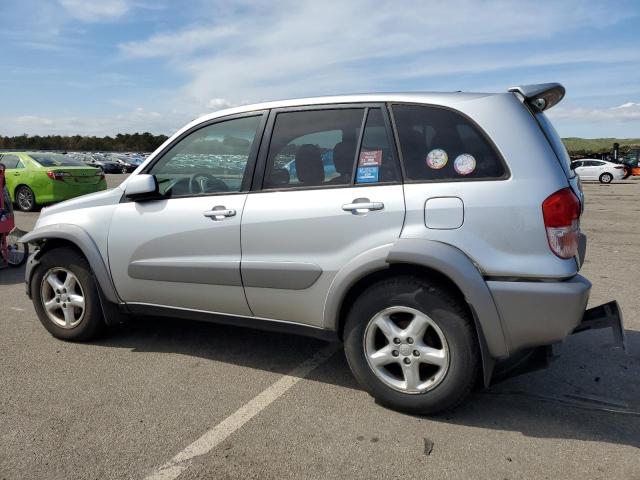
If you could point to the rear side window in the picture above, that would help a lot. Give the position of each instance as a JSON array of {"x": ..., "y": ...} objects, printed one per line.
[
  {"x": 439, "y": 144},
  {"x": 313, "y": 148},
  {"x": 10, "y": 161},
  {"x": 556, "y": 142}
]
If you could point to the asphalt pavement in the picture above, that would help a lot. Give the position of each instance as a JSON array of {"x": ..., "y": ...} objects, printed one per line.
[{"x": 129, "y": 403}]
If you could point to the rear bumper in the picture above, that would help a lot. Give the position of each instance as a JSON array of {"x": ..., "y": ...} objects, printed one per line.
[
  {"x": 608, "y": 315},
  {"x": 534, "y": 314}
]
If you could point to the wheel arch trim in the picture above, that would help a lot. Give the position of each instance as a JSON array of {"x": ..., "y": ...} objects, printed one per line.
[
  {"x": 458, "y": 267},
  {"x": 439, "y": 257},
  {"x": 84, "y": 242}
]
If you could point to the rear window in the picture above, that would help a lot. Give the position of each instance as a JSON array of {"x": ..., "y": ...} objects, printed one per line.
[
  {"x": 556, "y": 143},
  {"x": 55, "y": 160},
  {"x": 439, "y": 144}
]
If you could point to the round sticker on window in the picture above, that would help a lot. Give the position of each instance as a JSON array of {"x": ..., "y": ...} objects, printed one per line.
[
  {"x": 464, "y": 164},
  {"x": 437, "y": 158}
]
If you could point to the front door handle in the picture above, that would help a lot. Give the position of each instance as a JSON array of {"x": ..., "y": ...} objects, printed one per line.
[
  {"x": 362, "y": 205},
  {"x": 219, "y": 212}
]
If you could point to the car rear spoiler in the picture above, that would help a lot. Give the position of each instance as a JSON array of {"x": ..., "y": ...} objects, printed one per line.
[{"x": 541, "y": 96}]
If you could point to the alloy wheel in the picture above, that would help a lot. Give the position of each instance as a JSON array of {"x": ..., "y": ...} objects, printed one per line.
[
  {"x": 25, "y": 199},
  {"x": 62, "y": 297},
  {"x": 406, "y": 350}
]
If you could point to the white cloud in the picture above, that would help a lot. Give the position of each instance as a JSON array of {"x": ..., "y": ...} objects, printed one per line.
[
  {"x": 136, "y": 120},
  {"x": 627, "y": 112},
  {"x": 29, "y": 121},
  {"x": 290, "y": 48},
  {"x": 95, "y": 10},
  {"x": 219, "y": 103},
  {"x": 181, "y": 43}
]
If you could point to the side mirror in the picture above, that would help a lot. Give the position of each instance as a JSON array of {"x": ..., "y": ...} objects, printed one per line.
[{"x": 141, "y": 187}]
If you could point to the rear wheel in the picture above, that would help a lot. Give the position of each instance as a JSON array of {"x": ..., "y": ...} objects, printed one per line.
[
  {"x": 606, "y": 178},
  {"x": 412, "y": 345},
  {"x": 65, "y": 296},
  {"x": 25, "y": 199}
]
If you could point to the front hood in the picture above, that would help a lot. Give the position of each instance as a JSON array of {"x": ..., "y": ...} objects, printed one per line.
[{"x": 105, "y": 197}]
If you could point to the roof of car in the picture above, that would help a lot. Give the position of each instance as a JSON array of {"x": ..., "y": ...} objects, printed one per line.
[
  {"x": 433, "y": 98},
  {"x": 417, "y": 97}
]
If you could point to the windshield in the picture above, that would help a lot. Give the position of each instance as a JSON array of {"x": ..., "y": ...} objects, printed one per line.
[
  {"x": 556, "y": 143},
  {"x": 55, "y": 160}
]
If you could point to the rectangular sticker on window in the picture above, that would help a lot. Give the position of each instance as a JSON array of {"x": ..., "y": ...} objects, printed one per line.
[
  {"x": 367, "y": 175},
  {"x": 370, "y": 158}
]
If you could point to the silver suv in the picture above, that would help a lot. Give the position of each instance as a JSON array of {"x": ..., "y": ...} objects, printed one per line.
[{"x": 436, "y": 234}]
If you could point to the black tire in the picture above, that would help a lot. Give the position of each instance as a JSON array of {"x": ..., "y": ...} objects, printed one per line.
[
  {"x": 91, "y": 323},
  {"x": 25, "y": 199},
  {"x": 15, "y": 249},
  {"x": 454, "y": 322},
  {"x": 606, "y": 178},
  {"x": 124, "y": 170}
]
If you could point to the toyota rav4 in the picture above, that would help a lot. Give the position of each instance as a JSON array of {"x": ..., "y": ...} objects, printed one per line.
[{"x": 436, "y": 234}]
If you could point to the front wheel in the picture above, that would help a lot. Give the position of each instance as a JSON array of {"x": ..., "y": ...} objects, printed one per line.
[
  {"x": 25, "y": 199},
  {"x": 65, "y": 296},
  {"x": 411, "y": 344},
  {"x": 606, "y": 178}
]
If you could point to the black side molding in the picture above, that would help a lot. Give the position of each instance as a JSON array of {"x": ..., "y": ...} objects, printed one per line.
[{"x": 279, "y": 326}]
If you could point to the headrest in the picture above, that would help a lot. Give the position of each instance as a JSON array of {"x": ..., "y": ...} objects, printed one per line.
[
  {"x": 309, "y": 167},
  {"x": 343, "y": 157}
]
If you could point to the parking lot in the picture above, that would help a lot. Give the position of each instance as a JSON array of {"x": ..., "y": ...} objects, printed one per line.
[{"x": 126, "y": 405}]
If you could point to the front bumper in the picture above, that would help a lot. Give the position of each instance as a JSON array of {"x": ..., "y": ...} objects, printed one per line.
[
  {"x": 534, "y": 314},
  {"x": 32, "y": 263}
]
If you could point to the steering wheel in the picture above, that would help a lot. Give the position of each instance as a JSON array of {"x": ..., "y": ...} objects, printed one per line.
[{"x": 206, "y": 183}]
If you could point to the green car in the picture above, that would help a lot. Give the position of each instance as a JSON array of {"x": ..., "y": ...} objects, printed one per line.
[{"x": 40, "y": 178}]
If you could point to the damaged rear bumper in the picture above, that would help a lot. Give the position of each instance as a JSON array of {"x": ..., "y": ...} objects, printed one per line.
[{"x": 608, "y": 315}]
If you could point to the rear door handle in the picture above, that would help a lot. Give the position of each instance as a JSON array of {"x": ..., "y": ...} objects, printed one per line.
[
  {"x": 219, "y": 212},
  {"x": 362, "y": 205}
]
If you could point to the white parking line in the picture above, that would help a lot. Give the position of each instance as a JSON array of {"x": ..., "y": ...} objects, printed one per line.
[{"x": 207, "y": 442}]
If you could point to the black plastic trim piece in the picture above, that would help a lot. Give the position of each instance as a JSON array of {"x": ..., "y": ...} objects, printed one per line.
[{"x": 233, "y": 320}]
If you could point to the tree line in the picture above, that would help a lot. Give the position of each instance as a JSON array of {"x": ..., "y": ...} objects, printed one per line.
[{"x": 122, "y": 142}]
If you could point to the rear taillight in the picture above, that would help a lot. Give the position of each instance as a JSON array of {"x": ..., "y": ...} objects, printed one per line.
[
  {"x": 57, "y": 175},
  {"x": 619, "y": 167},
  {"x": 561, "y": 213}
]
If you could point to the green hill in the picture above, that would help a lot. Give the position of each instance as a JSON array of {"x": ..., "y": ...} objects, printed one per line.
[{"x": 581, "y": 146}]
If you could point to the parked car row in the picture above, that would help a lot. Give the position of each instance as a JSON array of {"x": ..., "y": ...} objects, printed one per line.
[
  {"x": 40, "y": 178},
  {"x": 110, "y": 162}
]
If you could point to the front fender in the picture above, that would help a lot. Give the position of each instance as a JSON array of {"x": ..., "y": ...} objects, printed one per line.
[{"x": 81, "y": 239}]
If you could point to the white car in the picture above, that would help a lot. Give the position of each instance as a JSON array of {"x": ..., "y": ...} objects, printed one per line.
[{"x": 594, "y": 169}]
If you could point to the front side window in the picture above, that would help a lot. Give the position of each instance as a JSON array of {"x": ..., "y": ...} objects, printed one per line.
[
  {"x": 313, "y": 148},
  {"x": 212, "y": 159},
  {"x": 439, "y": 144}
]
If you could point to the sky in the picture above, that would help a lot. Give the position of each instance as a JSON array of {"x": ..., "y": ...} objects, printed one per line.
[{"x": 101, "y": 67}]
